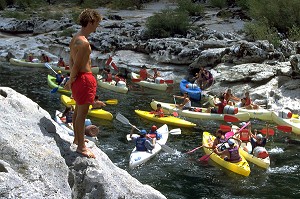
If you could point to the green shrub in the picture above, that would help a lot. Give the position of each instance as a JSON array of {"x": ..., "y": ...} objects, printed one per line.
[
  {"x": 16, "y": 14},
  {"x": 218, "y": 3},
  {"x": 167, "y": 24},
  {"x": 243, "y": 4},
  {"x": 51, "y": 15},
  {"x": 67, "y": 32},
  {"x": 125, "y": 4},
  {"x": 192, "y": 8},
  {"x": 2, "y": 4},
  {"x": 281, "y": 14},
  {"x": 262, "y": 31},
  {"x": 294, "y": 33}
]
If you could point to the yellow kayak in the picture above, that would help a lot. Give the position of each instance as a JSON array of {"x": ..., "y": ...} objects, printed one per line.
[
  {"x": 171, "y": 120},
  {"x": 98, "y": 113},
  {"x": 241, "y": 167}
]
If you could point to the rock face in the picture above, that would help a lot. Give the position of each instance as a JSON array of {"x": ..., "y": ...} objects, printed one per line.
[{"x": 37, "y": 159}]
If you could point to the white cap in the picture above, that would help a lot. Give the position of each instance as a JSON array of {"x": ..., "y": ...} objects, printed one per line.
[
  {"x": 259, "y": 136},
  {"x": 231, "y": 141}
]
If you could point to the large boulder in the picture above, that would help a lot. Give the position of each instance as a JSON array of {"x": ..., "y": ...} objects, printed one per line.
[{"x": 39, "y": 161}]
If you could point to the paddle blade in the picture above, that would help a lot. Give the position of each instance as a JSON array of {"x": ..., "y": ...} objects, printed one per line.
[
  {"x": 114, "y": 66},
  {"x": 191, "y": 151},
  {"x": 230, "y": 118},
  {"x": 175, "y": 131},
  {"x": 108, "y": 61},
  {"x": 54, "y": 90},
  {"x": 170, "y": 81},
  {"x": 175, "y": 114},
  {"x": 48, "y": 65},
  {"x": 204, "y": 158},
  {"x": 122, "y": 118},
  {"x": 285, "y": 128},
  {"x": 136, "y": 80},
  {"x": 229, "y": 134},
  {"x": 112, "y": 101},
  {"x": 267, "y": 131},
  {"x": 161, "y": 81},
  {"x": 225, "y": 127},
  {"x": 167, "y": 148}
]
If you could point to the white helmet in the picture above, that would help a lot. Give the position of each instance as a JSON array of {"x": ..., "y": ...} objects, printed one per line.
[{"x": 231, "y": 142}]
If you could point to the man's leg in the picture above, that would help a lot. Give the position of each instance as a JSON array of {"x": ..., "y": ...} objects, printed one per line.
[{"x": 79, "y": 127}]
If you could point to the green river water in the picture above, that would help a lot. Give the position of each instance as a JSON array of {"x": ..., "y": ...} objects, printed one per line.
[{"x": 177, "y": 176}]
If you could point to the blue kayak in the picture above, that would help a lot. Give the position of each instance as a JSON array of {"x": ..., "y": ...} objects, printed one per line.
[{"x": 193, "y": 90}]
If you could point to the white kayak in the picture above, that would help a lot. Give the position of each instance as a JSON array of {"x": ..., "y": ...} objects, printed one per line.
[
  {"x": 197, "y": 112},
  {"x": 149, "y": 84},
  {"x": 69, "y": 128},
  {"x": 120, "y": 87},
  {"x": 293, "y": 122},
  {"x": 38, "y": 64},
  {"x": 139, "y": 157}
]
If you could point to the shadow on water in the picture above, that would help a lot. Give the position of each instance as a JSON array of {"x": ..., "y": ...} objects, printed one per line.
[{"x": 180, "y": 175}]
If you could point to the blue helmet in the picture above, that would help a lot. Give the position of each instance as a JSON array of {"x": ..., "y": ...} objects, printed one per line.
[{"x": 143, "y": 132}]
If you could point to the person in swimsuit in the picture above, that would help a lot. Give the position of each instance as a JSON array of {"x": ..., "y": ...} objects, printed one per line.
[
  {"x": 186, "y": 104},
  {"x": 82, "y": 82}
]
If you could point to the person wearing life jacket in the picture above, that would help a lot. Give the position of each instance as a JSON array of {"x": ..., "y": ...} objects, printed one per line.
[
  {"x": 156, "y": 73},
  {"x": 230, "y": 98},
  {"x": 159, "y": 111},
  {"x": 143, "y": 73},
  {"x": 59, "y": 77},
  {"x": 153, "y": 133},
  {"x": 246, "y": 102},
  {"x": 30, "y": 57},
  {"x": 45, "y": 58},
  {"x": 245, "y": 134},
  {"x": 230, "y": 154},
  {"x": 219, "y": 105},
  {"x": 258, "y": 140},
  {"x": 186, "y": 104},
  {"x": 119, "y": 78},
  {"x": 108, "y": 76},
  {"x": 61, "y": 63},
  {"x": 142, "y": 143},
  {"x": 68, "y": 113},
  {"x": 218, "y": 141}
]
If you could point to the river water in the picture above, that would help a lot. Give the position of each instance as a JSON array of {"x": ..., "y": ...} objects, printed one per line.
[{"x": 177, "y": 176}]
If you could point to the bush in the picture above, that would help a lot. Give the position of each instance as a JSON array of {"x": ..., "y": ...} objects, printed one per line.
[
  {"x": 125, "y": 4},
  {"x": 294, "y": 33},
  {"x": 218, "y": 3},
  {"x": 67, "y": 32},
  {"x": 16, "y": 14},
  {"x": 167, "y": 24},
  {"x": 262, "y": 31},
  {"x": 2, "y": 4},
  {"x": 193, "y": 9}
]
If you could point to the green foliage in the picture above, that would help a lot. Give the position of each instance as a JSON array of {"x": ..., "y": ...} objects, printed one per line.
[
  {"x": 294, "y": 33},
  {"x": 51, "y": 15},
  {"x": 125, "y": 4},
  {"x": 16, "y": 14},
  {"x": 262, "y": 31},
  {"x": 2, "y": 4},
  {"x": 218, "y": 3},
  {"x": 243, "y": 4},
  {"x": 167, "y": 24},
  {"x": 75, "y": 14},
  {"x": 193, "y": 9},
  {"x": 67, "y": 32},
  {"x": 280, "y": 14}
]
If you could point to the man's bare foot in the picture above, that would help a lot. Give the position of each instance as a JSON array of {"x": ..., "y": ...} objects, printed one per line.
[
  {"x": 86, "y": 152},
  {"x": 76, "y": 142}
]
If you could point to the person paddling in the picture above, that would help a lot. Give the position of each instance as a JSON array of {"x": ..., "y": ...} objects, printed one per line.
[
  {"x": 142, "y": 143},
  {"x": 231, "y": 154}
]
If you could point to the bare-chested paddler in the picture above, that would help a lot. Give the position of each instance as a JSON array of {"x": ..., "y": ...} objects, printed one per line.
[{"x": 82, "y": 82}]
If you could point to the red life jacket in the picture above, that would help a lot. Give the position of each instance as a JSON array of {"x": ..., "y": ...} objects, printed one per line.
[
  {"x": 244, "y": 135},
  {"x": 248, "y": 101},
  {"x": 109, "y": 77},
  {"x": 143, "y": 74},
  {"x": 221, "y": 106}
]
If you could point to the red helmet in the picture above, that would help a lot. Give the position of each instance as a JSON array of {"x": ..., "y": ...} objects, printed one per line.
[{"x": 153, "y": 128}]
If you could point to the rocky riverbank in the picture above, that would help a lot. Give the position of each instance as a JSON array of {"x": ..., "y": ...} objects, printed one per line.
[{"x": 39, "y": 161}]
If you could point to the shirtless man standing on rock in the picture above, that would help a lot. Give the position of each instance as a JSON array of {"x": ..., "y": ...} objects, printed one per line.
[{"x": 82, "y": 82}]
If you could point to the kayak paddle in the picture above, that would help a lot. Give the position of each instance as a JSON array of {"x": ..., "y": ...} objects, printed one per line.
[
  {"x": 110, "y": 101},
  {"x": 175, "y": 131},
  {"x": 124, "y": 120},
  {"x": 191, "y": 151},
  {"x": 230, "y": 118},
  {"x": 49, "y": 66}
]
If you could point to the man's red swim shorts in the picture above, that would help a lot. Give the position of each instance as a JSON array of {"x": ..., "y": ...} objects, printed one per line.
[{"x": 84, "y": 88}]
